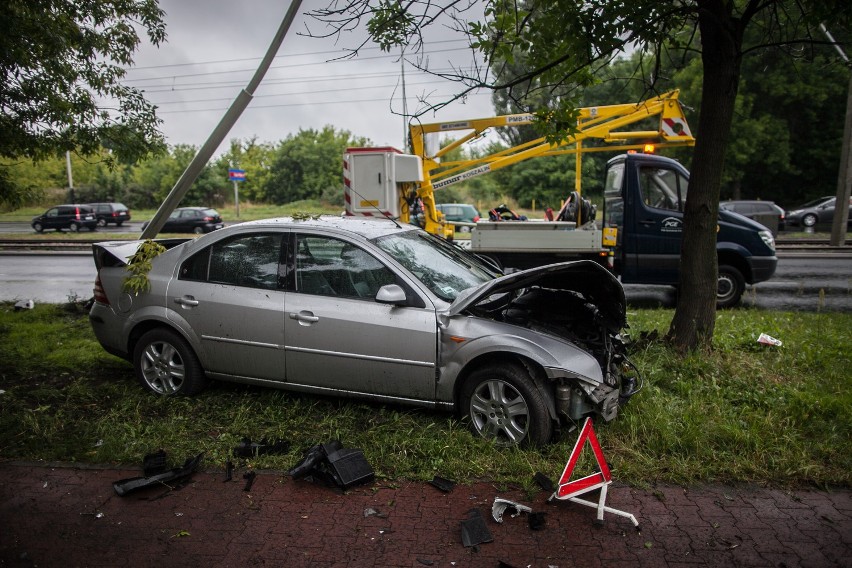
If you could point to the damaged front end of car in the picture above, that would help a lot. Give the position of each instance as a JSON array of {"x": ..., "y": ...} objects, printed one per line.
[{"x": 583, "y": 304}]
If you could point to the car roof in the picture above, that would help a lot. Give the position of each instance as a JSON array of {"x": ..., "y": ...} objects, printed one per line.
[{"x": 367, "y": 227}]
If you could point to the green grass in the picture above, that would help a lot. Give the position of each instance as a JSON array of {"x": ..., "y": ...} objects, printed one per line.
[{"x": 745, "y": 412}]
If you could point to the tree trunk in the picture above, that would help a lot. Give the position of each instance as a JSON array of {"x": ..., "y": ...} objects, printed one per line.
[{"x": 695, "y": 316}]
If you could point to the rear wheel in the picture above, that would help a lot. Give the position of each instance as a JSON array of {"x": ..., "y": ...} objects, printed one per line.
[
  {"x": 74, "y": 227},
  {"x": 119, "y": 223},
  {"x": 166, "y": 365},
  {"x": 730, "y": 286},
  {"x": 503, "y": 404},
  {"x": 198, "y": 230}
]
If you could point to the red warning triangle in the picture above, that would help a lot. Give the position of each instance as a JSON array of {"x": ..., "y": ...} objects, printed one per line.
[{"x": 602, "y": 477}]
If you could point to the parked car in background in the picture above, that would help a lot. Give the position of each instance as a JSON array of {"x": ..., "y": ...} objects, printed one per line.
[
  {"x": 372, "y": 309},
  {"x": 196, "y": 220},
  {"x": 766, "y": 213},
  {"x": 817, "y": 212},
  {"x": 72, "y": 217},
  {"x": 106, "y": 213},
  {"x": 459, "y": 212}
]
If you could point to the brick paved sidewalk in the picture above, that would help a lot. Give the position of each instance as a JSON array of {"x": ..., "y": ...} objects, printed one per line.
[{"x": 70, "y": 516}]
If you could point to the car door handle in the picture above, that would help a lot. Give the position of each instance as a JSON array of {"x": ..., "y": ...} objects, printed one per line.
[
  {"x": 647, "y": 222},
  {"x": 307, "y": 317},
  {"x": 187, "y": 301}
]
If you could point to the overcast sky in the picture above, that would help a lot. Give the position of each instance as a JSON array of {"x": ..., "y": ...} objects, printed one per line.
[{"x": 215, "y": 46}]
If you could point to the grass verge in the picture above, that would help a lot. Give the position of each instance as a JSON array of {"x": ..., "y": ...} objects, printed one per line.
[{"x": 744, "y": 412}]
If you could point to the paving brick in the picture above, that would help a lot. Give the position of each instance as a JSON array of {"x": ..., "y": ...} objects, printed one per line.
[{"x": 49, "y": 517}]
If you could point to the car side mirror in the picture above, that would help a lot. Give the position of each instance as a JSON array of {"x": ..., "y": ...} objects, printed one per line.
[{"x": 391, "y": 294}]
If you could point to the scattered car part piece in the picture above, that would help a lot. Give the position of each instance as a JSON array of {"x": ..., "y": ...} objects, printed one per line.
[
  {"x": 769, "y": 340},
  {"x": 249, "y": 476},
  {"x": 544, "y": 482},
  {"x": 178, "y": 474},
  {"x": 229, "y": 471},
  {"x": 501, "y": 505},
  {"x": 537, "y": 521},
  {"x": 445, "y": 485},
  {"x": 473, "y": 529},
  {"x": 345, "y": 467},
  {"x": 24, "y": 305},
  {"x": 154, "y": 463},
  {"x": 249, "y": 449}
]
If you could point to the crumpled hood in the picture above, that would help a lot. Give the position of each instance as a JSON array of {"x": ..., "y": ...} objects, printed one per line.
[{"x": 585, "y": 277}]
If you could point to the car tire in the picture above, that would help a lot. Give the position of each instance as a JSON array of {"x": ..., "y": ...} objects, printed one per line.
[
  {"x": 74, "y": 227},
  {"x": 38, "y": 227},
  {"x": 198, "y": 230},
  {"x": 503, "y": 404},
  {"x": 102, "y": 222},
  {"x": 730, "y": 287},
  {"x": 165, "y": 364},
  {"x": 119, "y": 223},
  {"x": 809, "y": 220}
]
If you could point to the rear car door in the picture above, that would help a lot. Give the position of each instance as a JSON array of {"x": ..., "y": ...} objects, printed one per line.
[
  {"x": 339, "y": 338},
  {"x": 229, "y": 294}
]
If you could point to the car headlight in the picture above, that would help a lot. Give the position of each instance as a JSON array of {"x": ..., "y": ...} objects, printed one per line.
[{"x": 768, "y": 239}]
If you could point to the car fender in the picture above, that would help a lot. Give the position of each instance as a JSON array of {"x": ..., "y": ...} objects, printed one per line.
[
  {"x": 150, "y": 317},
  {"x": 558, "y": 359}
]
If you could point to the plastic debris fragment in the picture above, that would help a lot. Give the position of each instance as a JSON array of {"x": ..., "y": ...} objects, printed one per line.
[{"x": 500, "y": 506}]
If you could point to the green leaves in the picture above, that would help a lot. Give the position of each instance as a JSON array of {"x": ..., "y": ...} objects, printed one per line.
[{"x": 139, "y": 265}]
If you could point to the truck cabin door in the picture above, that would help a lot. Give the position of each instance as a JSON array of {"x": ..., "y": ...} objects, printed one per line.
[{"x": 655, "y": 194}]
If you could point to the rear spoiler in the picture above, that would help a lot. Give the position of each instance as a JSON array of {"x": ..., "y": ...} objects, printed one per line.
[{"x": 117, "y": 253}]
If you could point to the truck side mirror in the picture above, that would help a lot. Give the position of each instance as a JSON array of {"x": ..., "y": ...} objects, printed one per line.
[{"x": 391, "y": 294}]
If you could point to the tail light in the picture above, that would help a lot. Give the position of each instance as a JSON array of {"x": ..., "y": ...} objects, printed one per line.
[
  {"x": 100, "y": 295},
  {"x": 209, "y": 219},
  {"x": 476, "y": 219}
]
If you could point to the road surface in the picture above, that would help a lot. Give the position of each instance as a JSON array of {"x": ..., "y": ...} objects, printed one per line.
[{"x": 816, "y": 282}]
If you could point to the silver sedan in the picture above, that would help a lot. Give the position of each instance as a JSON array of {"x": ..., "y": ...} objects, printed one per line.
[{"x": 371, "y": 309}]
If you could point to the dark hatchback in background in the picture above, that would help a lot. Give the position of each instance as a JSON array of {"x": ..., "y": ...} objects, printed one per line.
[
  {"x": 766, "y": 213},
  {"x": 106, "y": 213},
  {"x": 71, "y": 216},
  {"x": 196, "y": 220},
  {"x": 817, "y": 212}
]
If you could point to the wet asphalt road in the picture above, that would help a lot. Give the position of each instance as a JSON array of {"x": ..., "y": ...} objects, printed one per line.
[{"x": 803, "y": 282}]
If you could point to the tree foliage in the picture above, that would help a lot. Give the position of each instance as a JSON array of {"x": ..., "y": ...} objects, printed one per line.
[
  {"x": 62, "y": 62},
  {"x": 565, "y": 44}
]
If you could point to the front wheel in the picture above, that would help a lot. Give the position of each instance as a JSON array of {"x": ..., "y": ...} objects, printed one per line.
[
  {"x": 504, "y": 405},
  {"x": 730, "y": 287},
  {"x": 166, "y": 365},
  {"x": 809, "y": 220},
  {"x": 38, "y": 227},
  {"x": 102, "y": 222}
]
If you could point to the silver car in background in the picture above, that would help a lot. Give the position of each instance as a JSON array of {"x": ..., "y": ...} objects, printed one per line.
[{"x": 372, "y": 309}]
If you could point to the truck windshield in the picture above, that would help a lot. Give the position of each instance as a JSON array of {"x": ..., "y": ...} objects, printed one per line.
[
  {"x": 444, "y": 268},
  {"x": 613, "y": 202}
]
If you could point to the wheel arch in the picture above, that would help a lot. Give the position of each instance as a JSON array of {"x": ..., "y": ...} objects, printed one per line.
[{"x": 535, "y": 370}]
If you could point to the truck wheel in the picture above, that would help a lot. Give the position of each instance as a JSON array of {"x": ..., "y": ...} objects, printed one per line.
[
  {"x": 166, "y": 365},
  {"x": 809, "y": 220},
  {"x": 730, "y": 287},
  {"x": 503, "y": 404}
]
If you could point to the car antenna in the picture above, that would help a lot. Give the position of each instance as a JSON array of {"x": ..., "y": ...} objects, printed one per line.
[{"x": 373, "y": 205}]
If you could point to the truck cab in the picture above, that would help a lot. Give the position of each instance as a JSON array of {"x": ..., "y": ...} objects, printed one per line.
[{"x": 644, "y": 197}]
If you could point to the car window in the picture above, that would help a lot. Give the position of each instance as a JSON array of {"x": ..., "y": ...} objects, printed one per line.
[
  {"x": 662, "y": 188},
  {"x": 247, "y": 260},
  {"x": 327, "y": 266},
  {"x": 444, "y": 268},
  {"x": 174, "y": 215}
]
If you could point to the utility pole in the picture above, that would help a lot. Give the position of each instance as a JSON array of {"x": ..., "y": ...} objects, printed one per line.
[
  {"x": 70, "y": 178},
  {"x": 844, "y": 175}
]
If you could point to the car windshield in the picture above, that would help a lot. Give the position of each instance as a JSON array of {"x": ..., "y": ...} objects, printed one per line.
[
  {"x": 444, "y": 268},
  {"x": 816, "y": 202}
]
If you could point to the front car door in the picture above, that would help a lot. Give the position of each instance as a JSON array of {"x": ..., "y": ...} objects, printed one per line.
[
  {"x": 229, "y": 294},
  {"x": 652, "y": 247},
  {"x": 339, "y": 339}
]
